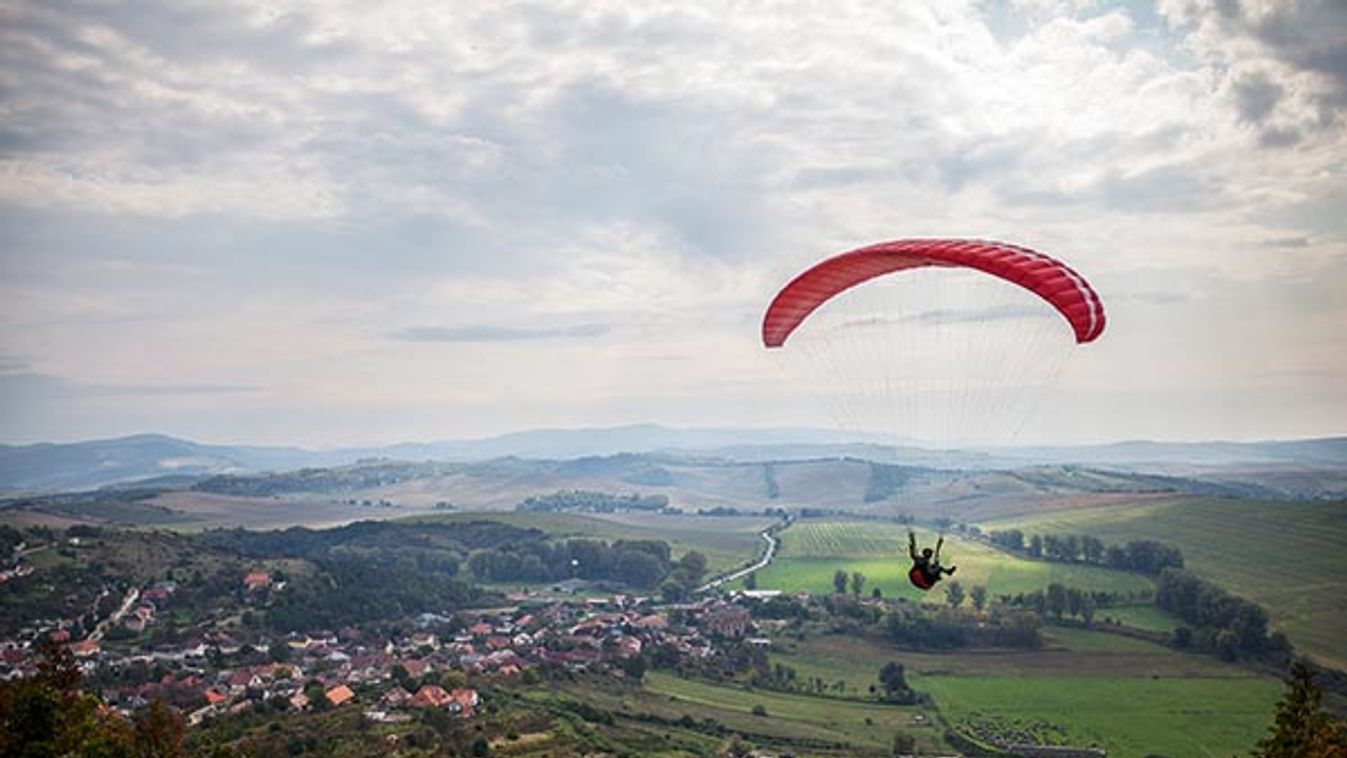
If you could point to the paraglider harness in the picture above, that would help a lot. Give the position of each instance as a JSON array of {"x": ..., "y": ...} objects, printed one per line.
[{"x": 926, "y": 569}]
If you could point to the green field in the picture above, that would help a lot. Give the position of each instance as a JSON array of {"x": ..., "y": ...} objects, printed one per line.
[
  {"x": 866, "y": 725},
  {"x": 1289, "y": 557},
  {"x": 726, "y": 541},
  {"x": 1130, "y": 717},
  {"x": 1142, "y": 617},
  {"x": 811, "y": 551},
  {"x": 1131, "y": 696}
]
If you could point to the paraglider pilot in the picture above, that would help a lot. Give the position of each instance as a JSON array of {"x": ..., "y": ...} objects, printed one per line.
[{"x": 926, "y": 568}]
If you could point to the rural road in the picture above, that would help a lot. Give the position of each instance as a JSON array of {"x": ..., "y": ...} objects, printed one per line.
[
  {"x": 773, "y": 543},
  {"x": 116, "y": 616}
]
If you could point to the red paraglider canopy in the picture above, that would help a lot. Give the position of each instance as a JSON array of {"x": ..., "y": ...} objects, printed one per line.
[{"x": 1046, "y": 277}]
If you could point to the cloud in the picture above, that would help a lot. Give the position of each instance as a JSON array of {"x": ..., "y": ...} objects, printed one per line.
[
  {"x": 1283, "y": 64},
  {"x": 272, "y": 202},
  {"x": 486, "y": 333},
  {"x": 1256, "y": 96}
]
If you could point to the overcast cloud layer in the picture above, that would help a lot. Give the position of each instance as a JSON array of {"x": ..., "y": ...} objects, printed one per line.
[{"x": 331, "y": 223}]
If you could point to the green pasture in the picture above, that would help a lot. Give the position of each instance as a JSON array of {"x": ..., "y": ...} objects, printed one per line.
[
  {"x": 1067, "y": 653},
  {"x": 812, "y": 551},
  {"x": 1141, "y": 617},
  {"x": 1131, "y": 696},
  {"x": 1289, "y": 557},
  {"x": 725, "y": 541},
  {"x": 1130, "y": 717},
  {"x": 866, "y": 725}
]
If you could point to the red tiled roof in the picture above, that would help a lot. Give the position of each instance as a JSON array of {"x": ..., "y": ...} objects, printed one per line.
[{"x": 339, "y": 694}]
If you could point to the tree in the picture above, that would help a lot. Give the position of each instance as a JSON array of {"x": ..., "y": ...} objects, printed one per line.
[
  {"x": 1056, "y": 600},
  {"x": 159, "y": 731},
  {"x": 978, "y": 594},
  {"x": 840, "y": 582},
  {"x": 954, "y": 594},
  {"x": 904, "y": 744},
  {"x": 857, "y": 583},
  {"x": 751, "y": 581},
  {"x": 1301, "y": 728},
  {"x": 893, "y": 678},
  {"x": 1074, "y": 599},
  {"x": 672, "y": 591},
  {"x": 48, "y": 715},
  {"x": 1036, "y": 546},
  {"x": 694, "y": 562},
  {"x": 1087, "y": 608}
]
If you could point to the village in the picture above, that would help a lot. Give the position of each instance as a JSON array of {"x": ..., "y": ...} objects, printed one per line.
[{"x": 430, "y": 661}]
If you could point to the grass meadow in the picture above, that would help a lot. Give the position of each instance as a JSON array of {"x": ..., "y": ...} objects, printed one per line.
[
  {"x": 867, "y": 725},
  {"x": 1289, "y": 557},
  {"x": 812, "y": 551},
  {"x": 1132, "y": 697}
]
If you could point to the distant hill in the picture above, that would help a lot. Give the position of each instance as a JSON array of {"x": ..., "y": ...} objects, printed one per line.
[
  {"x": 1304, "y": 468},
  {"x": 1330, "y": 451}
]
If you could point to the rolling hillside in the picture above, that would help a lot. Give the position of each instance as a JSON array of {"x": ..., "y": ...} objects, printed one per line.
[{"x": 1290, "y": 557}]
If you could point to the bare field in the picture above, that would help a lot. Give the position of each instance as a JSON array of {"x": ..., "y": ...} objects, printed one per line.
[
  {"x": 202, "y": 510},
  {"x": 726, "y": 541}
]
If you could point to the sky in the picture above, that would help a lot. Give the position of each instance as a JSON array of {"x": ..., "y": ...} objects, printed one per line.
[{"x": 336, "y": 223}]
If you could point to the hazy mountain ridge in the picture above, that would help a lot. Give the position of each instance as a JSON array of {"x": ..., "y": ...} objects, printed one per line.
[{"x": 52, "y": 467}]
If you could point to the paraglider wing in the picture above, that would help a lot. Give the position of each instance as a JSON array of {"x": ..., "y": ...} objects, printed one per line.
[{"x": 1046, "y": 277}]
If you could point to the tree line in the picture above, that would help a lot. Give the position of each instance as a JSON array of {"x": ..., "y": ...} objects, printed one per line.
[
  {"x": 1143, "y": 556},
  {"x": 586, "y": 501},
  {"x": 643, "y": 564},
  {"x": 1225, "y": 623}
]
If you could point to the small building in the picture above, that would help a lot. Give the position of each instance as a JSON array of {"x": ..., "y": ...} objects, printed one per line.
[
  {"x": 339, "y": 695},
  {"x": 256, "y": 580},
  {"x": 85, "y": 649},
  {"x": 728, "y": 621},
  {"x": 463, "y": 703},
  {"x": 429, "y": 696},
  {"x": 214, "y": 697}
]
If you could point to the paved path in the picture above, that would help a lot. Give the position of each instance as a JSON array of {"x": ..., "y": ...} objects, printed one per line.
[
  {"x": 116, "y": 616},
  {"x": 768, "y": 535}
]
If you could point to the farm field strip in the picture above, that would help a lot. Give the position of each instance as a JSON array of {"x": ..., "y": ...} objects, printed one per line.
[
  {"x": 1130, "y": 717},
  {"x": 818, "y": 718},
  {"x": 725, "y": 541},
  {"x": 1098, "y": 687},
  {"x": 809, "y": 558},
  {"x": 1068, "y": 653}
]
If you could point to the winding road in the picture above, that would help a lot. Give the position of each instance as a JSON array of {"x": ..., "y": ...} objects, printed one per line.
[{"x": 768, "y": 536}]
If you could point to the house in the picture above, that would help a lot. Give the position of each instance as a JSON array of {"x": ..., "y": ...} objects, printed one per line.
[
  {"x": 256, "y": 580},
  {"x": 429, "y": 696},
  {"x": 727, "y": 621},
  {"x": 339, "y": 695},
  {"x": 463, "y": 703},
  {"x": 415, "y": 667},
  {"x": 425, "y": 639},
  {"x": 395, "y": 697},
  {"x": 215, "y": 698},
  {"x": 85, "y": 649},
  {"x": 299, "y": 701},
  {"x": 651, "y": 622}
]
